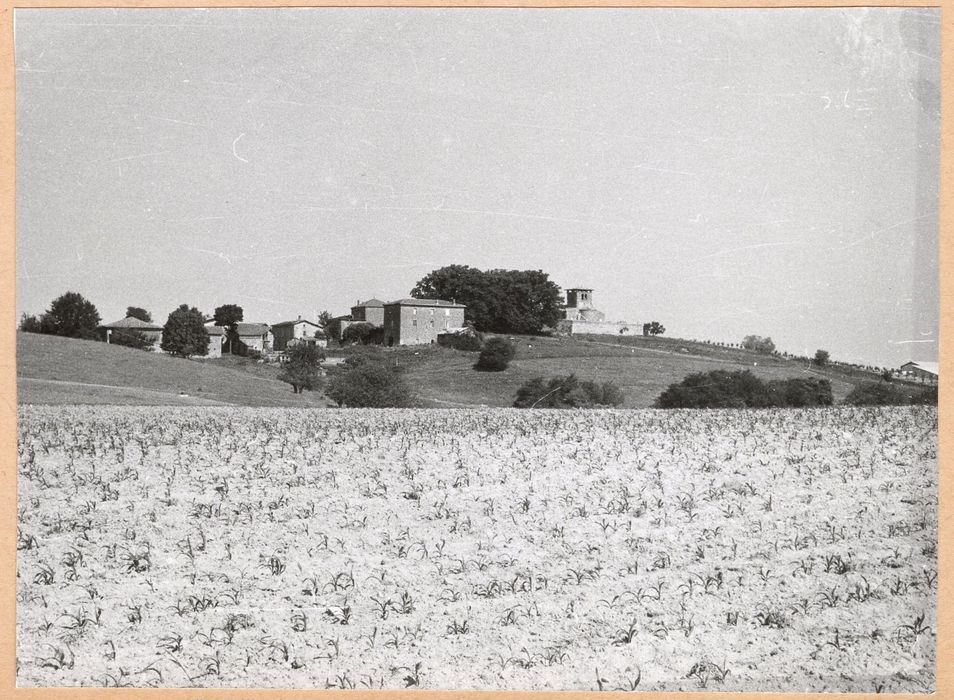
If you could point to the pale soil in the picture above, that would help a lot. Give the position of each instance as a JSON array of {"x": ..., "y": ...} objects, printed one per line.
[{"x": 214, "y": 546}]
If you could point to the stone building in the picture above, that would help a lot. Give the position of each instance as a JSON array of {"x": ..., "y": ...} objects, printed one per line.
[
  {"x": 925, "y": 372},
  {"x": 131, "y": 324},
  {"x": 217, "y": 335},
  {"x": 580, "y": 316},
  {"x": 370, "y": 311},
  {"x": 253, "y": 336},
  {"x": 302, "y": 329},
  {"x": 420, "y": 321}
]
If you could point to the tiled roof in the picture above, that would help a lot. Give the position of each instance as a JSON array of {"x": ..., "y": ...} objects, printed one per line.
[
  {"x": 369, "y": 302},
  {"x": 425, "y": 302},
  {"x": 292, "y": 323},
  {"x": 216, "y": 330},
  {"x": 932, "y": 367},
  {"x": 251, "y": 328},
  {"x": 133, "y": 322}
]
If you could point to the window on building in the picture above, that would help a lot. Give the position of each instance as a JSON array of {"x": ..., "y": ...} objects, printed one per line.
[{"x": 414, "y": 322}]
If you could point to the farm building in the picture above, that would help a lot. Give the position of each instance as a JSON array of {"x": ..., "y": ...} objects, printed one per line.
[
  {"x": 217, "y": 335},
  {"x": 254, "y": 336},
  {"x": 130, "y": 324},
  {"x": 420, "y": 321},
  {"x": 926, "y": 372},
  {"x": 370, "y": 311},
  {"x": 580, "y": 316},
  {"x": 302, "y": 329}
]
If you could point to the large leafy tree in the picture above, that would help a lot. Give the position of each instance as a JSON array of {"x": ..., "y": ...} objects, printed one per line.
[
  {"x": 184, "y": 333},
  {"x": 229, "y": 315},
  {"x": 72, "y": 316},
  {"x": 303, "y": 367},
  {"x": 759, "y": 344},
  {"x": 138, "y": 312},
  {"x": 497, "y": 301}
]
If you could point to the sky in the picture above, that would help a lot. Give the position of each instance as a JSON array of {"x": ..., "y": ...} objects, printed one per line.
[{"x": 724, "y": 171}]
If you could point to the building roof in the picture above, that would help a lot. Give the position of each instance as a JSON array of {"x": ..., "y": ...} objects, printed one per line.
[
  {"x": 135, "y": 323},
  {"x": 929, "y": 367},
  {"x": 215, "y": 330},
  {"x": 292, "y": 323},
  {"x": 369, "y": 302},
  {"x": 251, "y": 328},
  {"x": 425, "y": 302}
]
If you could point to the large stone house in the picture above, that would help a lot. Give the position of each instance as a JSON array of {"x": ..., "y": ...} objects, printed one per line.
[
  {"x": 299, "y": 330},
  {"x": 420, "y": 321},
  {"x": 217, "y": 336},
  {"x": 580, "y": 316}
]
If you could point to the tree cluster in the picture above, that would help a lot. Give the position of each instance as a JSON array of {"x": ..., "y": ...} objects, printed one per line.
[
  {"x": 567, "y": 392},
  {"x": 885, "y": 394},
  {"x": 497, "y": 301},
  {"x": 70, "y": 315},
  {"x": 368, "y": 379},
  {"x": 653, "y": 328},
  {"x": 759, "y": 344},
  {"x": 742, "y": 389}
]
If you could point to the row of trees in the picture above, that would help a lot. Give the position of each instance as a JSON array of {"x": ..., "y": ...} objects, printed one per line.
[
  {"x": 742, "y": 389},
  {"x": 184, "y": 334}
]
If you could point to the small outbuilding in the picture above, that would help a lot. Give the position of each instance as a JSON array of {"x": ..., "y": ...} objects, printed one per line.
[
  {"x": 925, "y": 372},
  {"x": 299, "y": 330},
  {"x": 131, "y": 324},
  {"x": 253, "y": 336}
]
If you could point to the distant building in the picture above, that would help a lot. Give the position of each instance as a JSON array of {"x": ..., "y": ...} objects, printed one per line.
[
  {"x": 420, "y": 321},
  {"x": 580, "y": 316},
  {"x": 301, "y": 330},
  {"x": 254, "y": 336},
  {"x": 152, "y": 331},
  {"x": 217, "y": 336},
  {"x": 370, "y": 311},
  {"x": 926, "y": 372}
]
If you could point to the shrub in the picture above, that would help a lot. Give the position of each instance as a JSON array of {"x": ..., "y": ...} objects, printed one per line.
[
  {"x": 495, "y": 356},
  {"x": 567, "y": 392},
  {"x": 367, "y": 380},
  {"x": 800, "y": 392},
  {"x": 717, "y": 389},
  {"x": 885, "y": 394},
  {"x": 469, "y": 342},
  {"x": 131, "y": 338},
  {"x": 363, "y": 333}
]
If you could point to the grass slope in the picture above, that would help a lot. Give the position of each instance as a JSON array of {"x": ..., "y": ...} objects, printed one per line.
[
  {"x": 54, "y": 370},
  {"x": 444, "y": 377}
]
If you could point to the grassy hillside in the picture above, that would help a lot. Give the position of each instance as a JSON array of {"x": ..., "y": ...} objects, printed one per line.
[
  {"x": 53, "y": 370},
  {"x": 444, "y": 377}
]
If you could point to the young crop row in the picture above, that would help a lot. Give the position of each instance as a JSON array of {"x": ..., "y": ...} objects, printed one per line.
[{"x": 770, "y": 550}]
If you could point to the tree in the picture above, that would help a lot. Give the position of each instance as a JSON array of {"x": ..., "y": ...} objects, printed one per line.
[
  {"x": 758, "y": 344},
  {"x": 228, "y": 315},
  {"x": 184, "y": 333},
  {"x": 567, "y": 392},
  {"x": 303, "y": 367},
  {"x": 32, "y": 324},
  {"x": 363, "y": 333},
  {"x": 72, "y": 316},
  {"x": 495, "y": 356},
  {"x": 367, "y": 380},
  {"x": 821, "y": 357},
  {"x": 497, "y": 301},
  {"x": 131, "y": 338},
  {"x": 653, "y": 328},
  {"x": 324, "y": 320},
  {"x": 140, "y": 313}
]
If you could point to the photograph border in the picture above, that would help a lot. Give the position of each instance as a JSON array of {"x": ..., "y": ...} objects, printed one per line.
[{"x": 8, "y": 402}]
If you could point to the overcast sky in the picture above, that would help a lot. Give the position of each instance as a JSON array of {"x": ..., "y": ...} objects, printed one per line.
[{"x": 725, "y": 172}]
